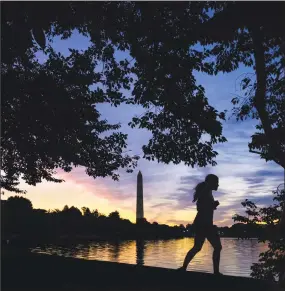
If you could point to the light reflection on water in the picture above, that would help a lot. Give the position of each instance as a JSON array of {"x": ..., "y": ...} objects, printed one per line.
[{"x": 236, "y": 258}]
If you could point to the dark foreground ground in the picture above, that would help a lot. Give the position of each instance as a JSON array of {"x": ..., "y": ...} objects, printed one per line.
[{"x": 26, "y": 271}]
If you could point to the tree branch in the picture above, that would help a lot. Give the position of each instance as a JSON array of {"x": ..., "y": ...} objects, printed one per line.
[{"x": 255, "y": 152}]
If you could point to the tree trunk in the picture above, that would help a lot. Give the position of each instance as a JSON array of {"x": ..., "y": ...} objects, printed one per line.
[{"x": 259, "y": 99}]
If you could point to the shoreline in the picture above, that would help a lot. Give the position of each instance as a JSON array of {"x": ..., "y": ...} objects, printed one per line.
[{"x": 32, "y": 271}]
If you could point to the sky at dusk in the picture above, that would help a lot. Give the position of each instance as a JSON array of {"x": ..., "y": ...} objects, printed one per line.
[{"x": 168, "y": 189}]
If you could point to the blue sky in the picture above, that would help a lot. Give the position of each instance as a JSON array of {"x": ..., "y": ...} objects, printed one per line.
[{"x": 168, "y": 189}]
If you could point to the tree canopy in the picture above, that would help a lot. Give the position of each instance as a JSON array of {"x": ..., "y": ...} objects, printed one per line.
[
  {"x": 49, "y": 113},
  {"x": 258, "y": 43}
]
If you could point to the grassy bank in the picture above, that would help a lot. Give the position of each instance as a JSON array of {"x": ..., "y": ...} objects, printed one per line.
[{"x": 26, "y": 271}]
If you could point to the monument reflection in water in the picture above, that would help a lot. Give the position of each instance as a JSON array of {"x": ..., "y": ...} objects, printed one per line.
[{"x": 140, "y": 248}]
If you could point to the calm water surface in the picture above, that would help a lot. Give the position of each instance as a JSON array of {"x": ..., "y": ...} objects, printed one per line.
[{"x": 236, "y": 258}]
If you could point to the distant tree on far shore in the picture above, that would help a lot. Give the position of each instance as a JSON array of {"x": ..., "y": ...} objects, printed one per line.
[{"x": 114, "y": 215}]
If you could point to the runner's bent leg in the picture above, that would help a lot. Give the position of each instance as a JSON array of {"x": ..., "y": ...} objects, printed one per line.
[{"x": 198, "y": 243}]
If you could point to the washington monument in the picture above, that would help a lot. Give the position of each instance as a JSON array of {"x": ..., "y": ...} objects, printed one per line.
[{"x": 140, "y": 215}]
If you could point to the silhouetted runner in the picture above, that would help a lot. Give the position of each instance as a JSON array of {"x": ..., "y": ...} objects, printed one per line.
[{"x": 203, "y": 223}]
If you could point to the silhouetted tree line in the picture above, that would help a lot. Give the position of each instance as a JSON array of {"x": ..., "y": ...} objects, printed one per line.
[
  {"x": 20, "y": 219},
  {"x": 243, "y": 231}
]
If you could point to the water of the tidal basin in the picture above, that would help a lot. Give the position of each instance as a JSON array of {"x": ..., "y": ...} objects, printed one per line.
[{"x": 236, "y": 258}]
